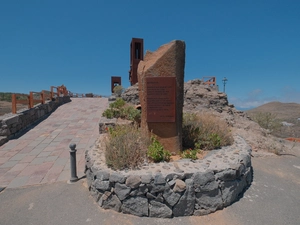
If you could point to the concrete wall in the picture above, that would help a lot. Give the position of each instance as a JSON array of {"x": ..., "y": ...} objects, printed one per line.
[{"x": 12, "y": 125}]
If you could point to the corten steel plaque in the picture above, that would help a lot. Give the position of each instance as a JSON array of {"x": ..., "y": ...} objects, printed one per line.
[{"x": 160, "y": 100}]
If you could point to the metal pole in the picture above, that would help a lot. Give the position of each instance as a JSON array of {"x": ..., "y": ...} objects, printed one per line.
[
  {"x": 224, "y": 82},
  {"x": 74, "y": 177}
]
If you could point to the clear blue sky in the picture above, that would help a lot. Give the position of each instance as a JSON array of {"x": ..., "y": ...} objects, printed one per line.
[{"x": 81, "y": 44}]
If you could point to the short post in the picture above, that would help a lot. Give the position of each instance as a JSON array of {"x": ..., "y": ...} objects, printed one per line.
[
  {"x": 74, "y": 177},
  {"x": 14, "y": 103}
]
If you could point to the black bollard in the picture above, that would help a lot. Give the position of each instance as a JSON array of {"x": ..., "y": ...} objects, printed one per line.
[{"x": 74, "y": 177}]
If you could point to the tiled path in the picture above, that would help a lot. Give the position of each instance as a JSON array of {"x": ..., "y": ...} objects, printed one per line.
[{"x": 42, "y": 154}]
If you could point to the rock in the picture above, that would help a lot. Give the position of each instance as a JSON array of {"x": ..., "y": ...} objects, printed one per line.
[
  {"x": 4, "y": 131},
  {"x": 143, "y": 189},
  {"x": 226, "y": 175},
  {"x": 104, "y": 123},
  {"x": 211, "y": 200},
  {"x": 240, "y": 169},
  {"x": 198, "y": 97},
  {"x": 150, "y": 196},
  {"x": 160, "y": 210},
  {"x": 110, "y": 201},
  {"x": 89, "y": 177},
  {"x": 200, "y": 179},
  {"x": 131, "y": 94},
  {"x": 202, "y": 212},
  {"x": 180, "y": 186},
  {"x": 171, "y": 197},
  {"x": 133, "y": 181},
  {"x": 112, "y": 98},
  {"x": 122, "y": 191},
  {"x": 135, "y": 205},
  {"x": 159, "y": 198},
  {"x": 146, "y": 179},
  {"x": 117, "y": 178},
  {"x": 205, "y": 182},
  {"x": 102, "y": 185},
  {"x": 95, "y": 194},
  {"x": 157, "y": 188},
  {"x": 159, "y": 179},
  {"x": 185, "y": 205},
  {"x": 231, "y": 190},
  {"x": 3, "y": 140},
  {"x": 102, "y": 175}
]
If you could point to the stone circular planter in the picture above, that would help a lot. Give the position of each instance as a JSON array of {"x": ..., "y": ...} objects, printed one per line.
[{"x": 182, "y": 188}]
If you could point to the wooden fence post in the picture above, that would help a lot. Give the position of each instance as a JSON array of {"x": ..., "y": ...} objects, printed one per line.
[
  {"x": 51, "y": 95},
  {"x": 30, "y": 101},
  {"x": 43, "y": 97},
  {"x": 14, "y": 103}
]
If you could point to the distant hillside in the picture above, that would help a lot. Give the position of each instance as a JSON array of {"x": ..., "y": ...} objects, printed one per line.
[
  {"x": 5, "y": 103},
  {"x": 5, "y": 96},
  {"x": 288, "y": 112}
]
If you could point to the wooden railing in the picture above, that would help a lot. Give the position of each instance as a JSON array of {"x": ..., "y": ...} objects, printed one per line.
[
  {"x": 211, "y": 81},
  {"x": 293, "y": 139},
  {"x": 37, "y": 97}
]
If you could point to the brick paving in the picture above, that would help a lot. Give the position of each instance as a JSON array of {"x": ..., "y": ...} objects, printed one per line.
[{"x": 42, "y": 155}]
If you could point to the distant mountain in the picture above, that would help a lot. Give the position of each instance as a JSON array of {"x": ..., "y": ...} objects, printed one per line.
[{"x": 285, "y": 112}]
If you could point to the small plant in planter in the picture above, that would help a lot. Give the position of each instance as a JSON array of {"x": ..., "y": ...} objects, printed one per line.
[
  {"x": 125, "y": 147},
  {"x": 119, "y": 109},
  {"x": 190, "y": 154},
  {"x": 204, "y": 131},
  {"x": 156, "y": 151}
]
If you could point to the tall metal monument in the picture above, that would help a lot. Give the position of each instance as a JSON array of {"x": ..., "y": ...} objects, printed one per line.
[{"x": 136, "y": 55}]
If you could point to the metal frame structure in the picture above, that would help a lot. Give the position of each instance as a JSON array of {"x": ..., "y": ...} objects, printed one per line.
[{"x": 136, "y": 55}]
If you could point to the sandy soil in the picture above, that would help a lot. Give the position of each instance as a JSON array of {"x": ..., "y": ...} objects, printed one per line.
[{"x": 5, "y": 107}]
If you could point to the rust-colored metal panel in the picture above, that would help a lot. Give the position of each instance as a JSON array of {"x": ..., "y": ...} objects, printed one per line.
[
  {"x": 161, "y": 99},
  {"x": 115, "y": 81},
  {"x": 136, "y": 55}
]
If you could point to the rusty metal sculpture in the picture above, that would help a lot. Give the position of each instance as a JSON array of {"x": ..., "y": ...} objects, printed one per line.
[
  {"x": 136, "y": 55},
  {"x": 114, "y": 82}
]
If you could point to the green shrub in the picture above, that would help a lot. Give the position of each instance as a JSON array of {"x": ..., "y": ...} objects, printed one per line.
[
  {"x": 157, "y": 152},
  {"x": 119, "y": 103},
  {"x": 267, "y": 121},
  {"x": 190, "y": 154},
  {"x": 119, "y": 109},
  {"x": 108, "y": 113},
  {"x": 125, "y": 147},
  {"x": 118, "y": 90},
  {"x": 130, "y": 113},
  {"x": 204, "y": 131}
]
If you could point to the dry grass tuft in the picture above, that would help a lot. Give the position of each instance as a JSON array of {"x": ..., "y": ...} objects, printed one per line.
[
  {"x": 126, "y": 148},
  {"x": 205, "y": 131}
]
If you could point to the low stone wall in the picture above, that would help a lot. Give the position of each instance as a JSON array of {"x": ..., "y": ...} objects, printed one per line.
[
  {"x": 12, "y": 124},
  {"x": 182, "y": 188}
]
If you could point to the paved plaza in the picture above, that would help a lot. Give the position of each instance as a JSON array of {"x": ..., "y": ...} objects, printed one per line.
[{"x": 41, "y": 155}]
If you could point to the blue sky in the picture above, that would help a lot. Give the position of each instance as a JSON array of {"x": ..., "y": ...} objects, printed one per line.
[{"x": 81, "y": 44}]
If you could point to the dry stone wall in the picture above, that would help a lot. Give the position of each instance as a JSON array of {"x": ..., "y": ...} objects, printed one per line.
[
  {"x": 182, "y": 188},
  {"x": 12, "y": 124}
]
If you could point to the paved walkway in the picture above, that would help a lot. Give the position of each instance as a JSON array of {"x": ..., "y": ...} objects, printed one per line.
[
  {"x": 42, "y": 154},
  {"x": 273, "y": 198}
]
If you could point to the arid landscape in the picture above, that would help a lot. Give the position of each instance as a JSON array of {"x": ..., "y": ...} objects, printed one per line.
[
  {"x": 288, "y": 114},
  {"x": 5, "y": 107}
]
